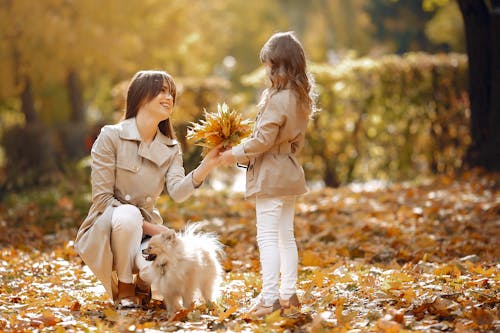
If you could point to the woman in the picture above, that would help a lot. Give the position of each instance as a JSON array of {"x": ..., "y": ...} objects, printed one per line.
[{"x": 132, "y": 163}]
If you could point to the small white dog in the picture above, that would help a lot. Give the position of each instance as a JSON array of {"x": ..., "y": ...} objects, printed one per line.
[{"x": 181, "y": 264}]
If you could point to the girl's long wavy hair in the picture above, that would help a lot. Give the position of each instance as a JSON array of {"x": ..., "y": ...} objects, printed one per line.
[
  {"x": 285, "y": 55},
  {"x": 144, "y": 86}
]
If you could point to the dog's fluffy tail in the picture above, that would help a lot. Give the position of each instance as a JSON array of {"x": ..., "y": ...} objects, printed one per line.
[{"x": 209, "y": 239}]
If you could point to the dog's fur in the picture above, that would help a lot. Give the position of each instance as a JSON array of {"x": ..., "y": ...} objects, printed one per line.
[{"x": 181, "y": 264}]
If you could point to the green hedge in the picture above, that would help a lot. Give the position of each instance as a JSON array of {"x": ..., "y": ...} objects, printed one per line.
[{"x": 392, "y": 118}]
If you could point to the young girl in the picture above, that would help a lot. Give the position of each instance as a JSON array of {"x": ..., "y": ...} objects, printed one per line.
[
  {"x": 133, "y": 162},
  {"x": 274, "y": 176}
]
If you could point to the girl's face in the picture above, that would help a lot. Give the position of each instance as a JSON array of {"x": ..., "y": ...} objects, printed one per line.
[{"x": 161, "y": 106}]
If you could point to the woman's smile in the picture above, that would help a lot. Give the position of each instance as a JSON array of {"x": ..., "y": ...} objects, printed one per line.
[{"x": 166, "y": 105}]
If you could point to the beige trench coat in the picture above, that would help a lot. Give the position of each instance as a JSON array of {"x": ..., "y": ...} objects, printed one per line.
[
  {"x": 271, "y": 152},
  {"x": 127, "y": 171}
]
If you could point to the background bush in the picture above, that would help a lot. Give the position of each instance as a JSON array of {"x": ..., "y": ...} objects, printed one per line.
[
  {"x": 30, "y": 157},
  {"x": 391, "y": 118}
]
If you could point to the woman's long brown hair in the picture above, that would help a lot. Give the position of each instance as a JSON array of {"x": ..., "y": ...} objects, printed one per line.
[
  {"x": 144, "y": 86},
  {"x": 284, "y": 53}
]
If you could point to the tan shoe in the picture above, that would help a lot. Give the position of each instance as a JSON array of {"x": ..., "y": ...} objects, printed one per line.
[
  {"x": 261, "y": 310},
  {"x": 293, "y": 301}
]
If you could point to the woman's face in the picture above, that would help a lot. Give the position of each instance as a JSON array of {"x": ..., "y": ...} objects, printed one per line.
[{"x": 161, "y": 106}]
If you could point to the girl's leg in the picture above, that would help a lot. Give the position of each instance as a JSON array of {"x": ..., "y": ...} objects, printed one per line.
[
  {"x": 288, "y": 249},
  {"x": 268, "y": 213},
  {"x": 126, "y": 237}
]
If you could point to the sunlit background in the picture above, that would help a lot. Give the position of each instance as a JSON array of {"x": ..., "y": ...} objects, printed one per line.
[
  {"x": 399, "y": 233},
  {"x": 391, "y": 78}
]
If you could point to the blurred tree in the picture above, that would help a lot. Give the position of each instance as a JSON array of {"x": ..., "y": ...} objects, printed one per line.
[
  {"x": 336, "y": 26},
  {"x": 17, "y": 38},
  {"x": 446, "y": 27},
  {"x": 400, "y": 24},
  {"x": 53, "y": 46},
  {"x": 249, "y": 24},
  {"x": 327, "y": 27},
  {"x": 482, "y": 29},
  {"x": 21, "y": 47}
]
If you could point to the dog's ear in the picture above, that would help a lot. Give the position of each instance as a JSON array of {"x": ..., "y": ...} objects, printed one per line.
[{"x": 168, "y": 235}]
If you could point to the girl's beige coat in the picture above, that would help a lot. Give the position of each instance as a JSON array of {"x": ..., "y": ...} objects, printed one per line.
[
  {"x": 271, "y": 152},
  {"x": 127, "y": 171}
]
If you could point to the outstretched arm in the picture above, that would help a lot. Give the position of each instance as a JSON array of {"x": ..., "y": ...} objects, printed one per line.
[{"x": 180, "y": 186}]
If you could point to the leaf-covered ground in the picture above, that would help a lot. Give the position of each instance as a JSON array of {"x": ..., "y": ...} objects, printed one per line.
[{"x": 397, "y": 258}]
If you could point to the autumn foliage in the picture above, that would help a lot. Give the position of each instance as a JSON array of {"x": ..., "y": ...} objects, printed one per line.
[
  {"x": 224, "y": 126},
  {"x": 403, "y": 257}
]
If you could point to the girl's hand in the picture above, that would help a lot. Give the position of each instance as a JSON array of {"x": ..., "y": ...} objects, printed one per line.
[{"x": 227, "y": 158}]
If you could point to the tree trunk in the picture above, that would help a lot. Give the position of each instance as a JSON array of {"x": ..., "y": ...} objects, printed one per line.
[
  {"x": 28, "y": 102},
  {"x": 24, "y": 81},
  {"x": 75, "y": 97},
  {"x": 330, "y": 176},
  {"x": 494, "y": 122},
  {"x": 482, "y": 32}
]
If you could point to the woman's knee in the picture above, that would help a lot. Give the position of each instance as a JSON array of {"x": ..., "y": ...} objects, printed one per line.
[{"x": 127, "y": 217}]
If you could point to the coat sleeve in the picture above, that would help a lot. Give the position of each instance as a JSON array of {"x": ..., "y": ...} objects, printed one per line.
[
  {"x": 179, "y": 186},
  {"x": 103, "y": 171},
  {"x": 265, "y": 132}
]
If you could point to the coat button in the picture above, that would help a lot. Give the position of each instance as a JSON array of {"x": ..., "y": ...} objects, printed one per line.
[
  {"x": 136, "y": 168},
  {"x": 148, "y": 199},
  {"x": 128, "y": 197}
]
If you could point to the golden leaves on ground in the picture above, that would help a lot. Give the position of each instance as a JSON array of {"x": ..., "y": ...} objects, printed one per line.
[
  {"x": 224, "y": 126},
  {"x": 404, "y": 258}
]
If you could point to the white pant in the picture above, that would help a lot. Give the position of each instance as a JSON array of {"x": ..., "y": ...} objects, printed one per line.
[
  {"x": 126, "y": 235},
  {"x": 277, "y": 247}
]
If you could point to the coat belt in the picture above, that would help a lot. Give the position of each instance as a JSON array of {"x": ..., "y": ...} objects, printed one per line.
[{"x": 283, "y": 148}]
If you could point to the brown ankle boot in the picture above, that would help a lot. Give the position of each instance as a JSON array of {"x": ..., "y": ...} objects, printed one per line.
[
  {"x": 126, "y": 295},
  {"x": 143, "y": 291}
]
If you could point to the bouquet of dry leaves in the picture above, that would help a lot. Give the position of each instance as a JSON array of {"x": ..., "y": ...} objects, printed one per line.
[{"x": 224, "y": 126}]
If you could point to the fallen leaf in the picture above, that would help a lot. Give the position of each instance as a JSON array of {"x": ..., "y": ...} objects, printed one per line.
[
  {"x": 388, "y": 326},
  {"x": 311, "y": 258},
  {"x": 227, "y": 313}
]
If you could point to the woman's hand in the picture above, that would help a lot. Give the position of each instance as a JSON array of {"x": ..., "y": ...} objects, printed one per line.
[
  {"x": 227, "y": 158},
  {"x": 213, "y": 156},
  {"x": 209, "y": 162},
  {"x": 152, "y": 229}
]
